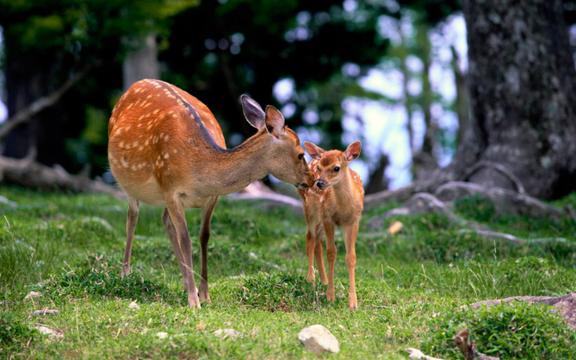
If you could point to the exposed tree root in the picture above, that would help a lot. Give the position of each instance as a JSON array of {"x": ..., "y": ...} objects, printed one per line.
[
  {"x": 27, "y": 172},
  {"x": 565, "y": 305},
  {"x": 427, "y": 203},
  {"x": 505, "y": 201}
]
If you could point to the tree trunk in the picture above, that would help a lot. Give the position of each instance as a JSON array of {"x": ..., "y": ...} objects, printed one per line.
[
  {"x": 141, "y": 63},
  {"x": 523, "y": 89}
]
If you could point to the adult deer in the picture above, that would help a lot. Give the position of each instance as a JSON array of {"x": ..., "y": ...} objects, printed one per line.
[
  {"x": 166, "y": 148},
  {"x": 337, "y": 199}
]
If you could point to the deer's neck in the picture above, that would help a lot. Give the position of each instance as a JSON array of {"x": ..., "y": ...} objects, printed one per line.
[
  {"x": 343, "y": 190},
  {"x": 233, "y": 169}
]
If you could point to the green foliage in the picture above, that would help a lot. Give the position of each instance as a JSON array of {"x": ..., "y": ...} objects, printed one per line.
[
  {"x": 69, "y": 248},
  {"x": 280, "y": 292},
  {"x": 510, "y": 331},
  {"x": 14, "y": 335},
  {"x": 97, "y": 277}
]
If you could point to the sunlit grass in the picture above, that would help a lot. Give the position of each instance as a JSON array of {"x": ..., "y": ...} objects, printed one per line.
[{"x": 69, "y": 248}]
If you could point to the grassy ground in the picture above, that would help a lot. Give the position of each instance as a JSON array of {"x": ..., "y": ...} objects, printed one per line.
[{"x": 411, "y": 287}]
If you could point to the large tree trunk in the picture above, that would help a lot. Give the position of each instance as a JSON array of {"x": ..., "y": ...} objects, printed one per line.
[
  {"x": 523, "y": 91},
  {"x": 141, "y": 63}
]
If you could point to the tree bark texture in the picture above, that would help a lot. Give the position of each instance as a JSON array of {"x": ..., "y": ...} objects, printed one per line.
[
  {"x": 141, "y": 63},
  {"x": 523, "y": 88}
]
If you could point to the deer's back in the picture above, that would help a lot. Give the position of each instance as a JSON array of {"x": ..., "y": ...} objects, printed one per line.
[{"x": 158, "y": 134}]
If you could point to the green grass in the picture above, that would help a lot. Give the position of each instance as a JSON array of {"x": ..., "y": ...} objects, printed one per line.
[{"x": 411, "y": 287}]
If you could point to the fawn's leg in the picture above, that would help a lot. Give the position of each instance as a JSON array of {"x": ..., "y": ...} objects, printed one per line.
[
  {"x": 331, "y": 255},
  {"x": 131, "y": 221},
  {"x": 350, "y": 234},
  {"x": 310, "y": 240},
  {"x": 204, "y": 237},
  {"x": 319, "y": 251},
  {"x": 178, "y": 218}
]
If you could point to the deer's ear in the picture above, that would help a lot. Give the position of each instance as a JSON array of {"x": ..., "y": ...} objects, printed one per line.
[
  {"x": 274, "y": 121},
  {"x": 252, "y": 112},
  {"x": 313, "y": 150},
  {"x": 353, "y": 151}
]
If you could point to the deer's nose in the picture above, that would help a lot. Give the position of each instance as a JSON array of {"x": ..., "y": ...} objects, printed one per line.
[{"x": 321, "y": 184}]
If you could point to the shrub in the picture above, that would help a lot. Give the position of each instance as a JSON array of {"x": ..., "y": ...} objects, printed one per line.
[{"x": 511, "y": 331}]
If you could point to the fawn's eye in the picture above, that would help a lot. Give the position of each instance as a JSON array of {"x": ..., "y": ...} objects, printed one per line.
[
  {"x": 301, "y": 156},
  {"x": 336, "y": 168}
]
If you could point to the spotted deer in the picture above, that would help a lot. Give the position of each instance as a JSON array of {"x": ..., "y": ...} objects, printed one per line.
[
  {"x": 166, "y": 148},
  {"x": 337, "y": 199}
]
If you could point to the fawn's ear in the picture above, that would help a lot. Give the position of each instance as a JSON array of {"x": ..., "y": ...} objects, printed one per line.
[
  {"x": 252, "y": 111},
  {"x": 314, "y": 150},
  {"x": 274, "y": 121},
  {"x": 353, "y": 151}
]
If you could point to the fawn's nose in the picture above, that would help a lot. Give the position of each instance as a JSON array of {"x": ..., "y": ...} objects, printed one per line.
[{"x": 321, "y": 184}]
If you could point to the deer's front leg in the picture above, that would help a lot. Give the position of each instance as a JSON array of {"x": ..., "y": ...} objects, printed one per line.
[
  {"x": 331, "y": 255},
  {"x": 350, "y": 234},
  {"x": 178, "y": 218},
  {"x": 131, "y": 221},
  {"x": 204, "y": 237}
]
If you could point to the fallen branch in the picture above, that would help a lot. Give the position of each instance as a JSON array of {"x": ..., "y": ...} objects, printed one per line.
[
  {"x": 39, "y": 105},
  {"x": 468, "y": 348},
  {"x": 258, "y": 191},
  {"x": 29, "y": 173},
  {"x": 565, "y": 305}
]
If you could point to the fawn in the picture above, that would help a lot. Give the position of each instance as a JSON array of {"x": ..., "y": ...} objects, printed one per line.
[
  {"x": 166, "y": 148},
  {"x": 336, "y": 200}
]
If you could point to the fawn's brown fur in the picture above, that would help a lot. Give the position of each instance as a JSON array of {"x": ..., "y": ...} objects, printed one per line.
[{"x": 337, "y": 199}]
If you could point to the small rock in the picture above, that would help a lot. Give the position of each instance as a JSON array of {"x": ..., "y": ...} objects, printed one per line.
[
  {"x": 52, "y": 333},
  {"x": 98, "y": 220},
  {"x": 162, "y": 335},
  {"x": 419, "y": 355},
  {"x": 32, "y": 295},
  {"x": 395, "y": 228},
  {"x": 45, "y": 312},
  {"x": 227, "y": 333},
  {"x": 317, "y": 338},
  {"x": 134, "y": 305},
  {"x": 5, "y": 201}
]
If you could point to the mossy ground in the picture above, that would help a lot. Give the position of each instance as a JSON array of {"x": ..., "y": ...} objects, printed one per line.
[{"x": 411, "y": 286}]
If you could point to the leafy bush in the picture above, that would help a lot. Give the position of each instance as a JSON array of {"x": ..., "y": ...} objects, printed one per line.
[
  {"x": 13, "y": 334},
  {"x": 511, "y": 331},
  {"x": 280, "y": 292}
]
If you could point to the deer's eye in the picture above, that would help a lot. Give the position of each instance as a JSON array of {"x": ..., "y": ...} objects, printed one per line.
[
  {"x": 301, "y": 156},
  {"x": 336, "y": 168}
]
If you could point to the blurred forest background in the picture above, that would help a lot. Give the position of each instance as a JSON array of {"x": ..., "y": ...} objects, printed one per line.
[{"x": 481, "y": 90}]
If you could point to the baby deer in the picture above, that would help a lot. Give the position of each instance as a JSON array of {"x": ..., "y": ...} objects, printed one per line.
[
  {"x": 337, "y": 199},
  {"x": 166, "y": 148}
]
